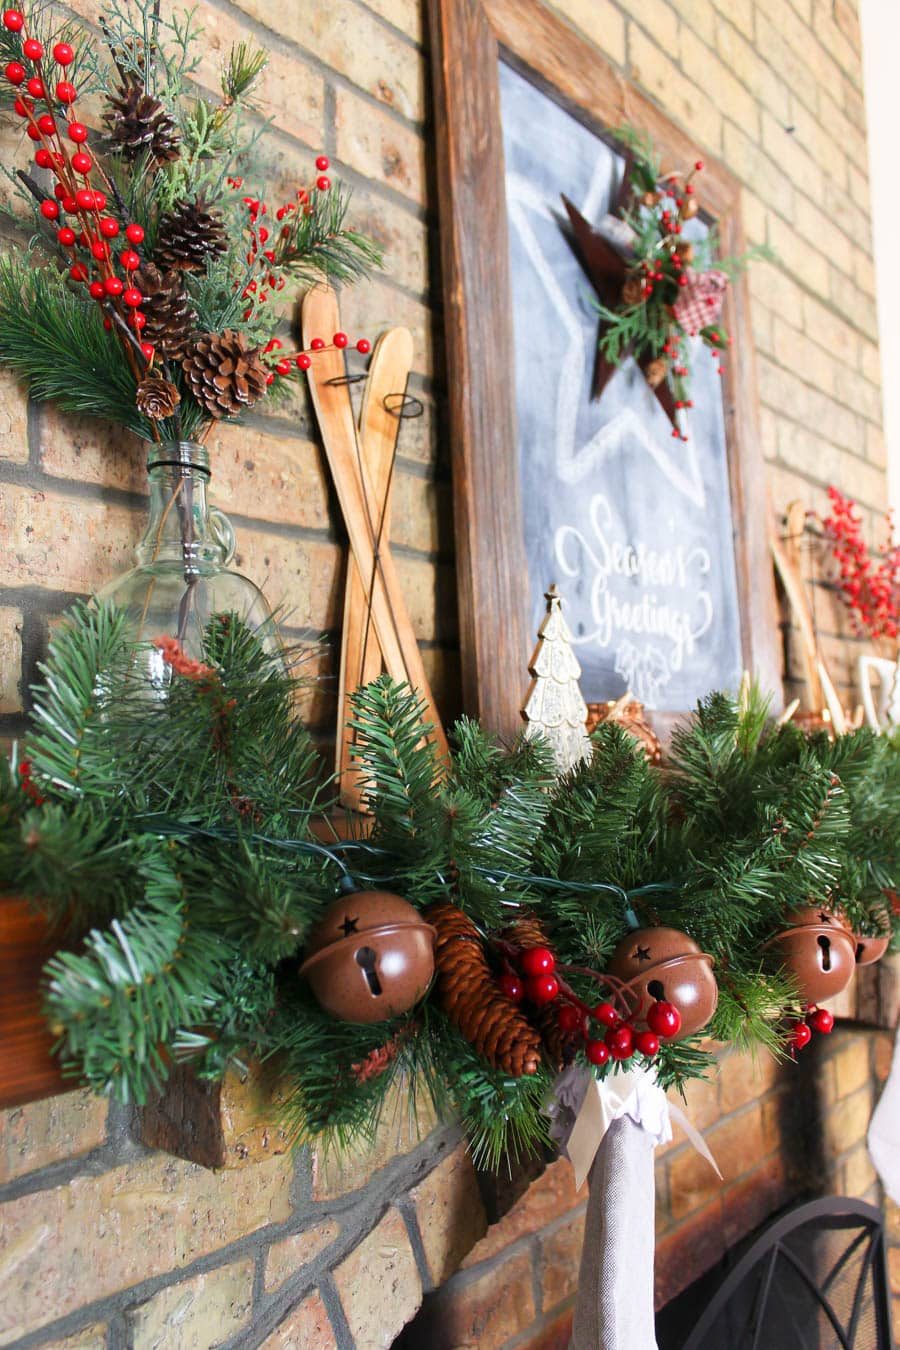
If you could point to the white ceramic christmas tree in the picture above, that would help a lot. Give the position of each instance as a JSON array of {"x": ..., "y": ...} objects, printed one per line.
[{"x": 554, "y": 707}]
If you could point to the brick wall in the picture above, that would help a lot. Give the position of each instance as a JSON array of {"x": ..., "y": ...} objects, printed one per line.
[{"x": 109, "y": 1243}]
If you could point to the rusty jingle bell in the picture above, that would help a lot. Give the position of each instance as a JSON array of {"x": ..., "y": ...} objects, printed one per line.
[
  {"x": 370, "y": 957},
  {"x": 818, "y": 950},
  {"x": 870, "y": 949},
  {"x": 664, "y": 963}
]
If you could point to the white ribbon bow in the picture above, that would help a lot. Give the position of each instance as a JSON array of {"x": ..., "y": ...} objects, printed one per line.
[{"x": 582, "y": 1109}]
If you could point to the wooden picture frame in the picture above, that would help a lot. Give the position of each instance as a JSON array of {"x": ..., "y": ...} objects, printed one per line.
[{"x": 469, "y": 39}]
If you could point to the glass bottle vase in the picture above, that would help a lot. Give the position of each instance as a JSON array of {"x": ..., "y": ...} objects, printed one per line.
[{"x": 183, "y": 577}]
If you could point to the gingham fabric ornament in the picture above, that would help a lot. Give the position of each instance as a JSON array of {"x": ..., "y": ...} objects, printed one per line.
[{"x": 700, "y": 304}]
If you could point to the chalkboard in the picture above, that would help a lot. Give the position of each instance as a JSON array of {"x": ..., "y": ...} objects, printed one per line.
[{"x": 634, "y": 526}]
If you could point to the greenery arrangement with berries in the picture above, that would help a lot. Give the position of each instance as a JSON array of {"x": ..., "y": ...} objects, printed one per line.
[
  {"x": 607, "y": 916},
  {"x": 657, "y": 289},
  {"x": 869, "y": 586},
  {"x": 148, "y": 291}
]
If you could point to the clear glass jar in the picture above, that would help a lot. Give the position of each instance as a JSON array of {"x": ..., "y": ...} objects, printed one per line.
[{"x": 183, "y": 576}]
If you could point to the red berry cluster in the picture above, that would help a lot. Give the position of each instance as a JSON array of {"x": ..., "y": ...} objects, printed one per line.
[
  {"x": 817, "y": 1019},
  {"x": 870, "y": 590},
  {"x": 267, "y": 260},
  {"x": 27, "y": 783},
  {"x": 621, "y": 1039},
  {"x": 285, "y": 363},
  {"x": 78, "y": 207}
]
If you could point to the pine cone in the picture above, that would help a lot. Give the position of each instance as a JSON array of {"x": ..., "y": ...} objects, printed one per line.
[
  {"x": 526, "y": 931},
  {"x": 655, "y": 371},
  {"x": 170, "y": 316},
  {"x": 632, "y": 291},
  {"x": 225, "y": 375},
  {"x": 138, "y": 122},
  {"x": 156, "y": 397},
  {"x": 188, "y": 235},
  {"x": 560, "y": 1046},
  {"x": 466, "y": 992}
]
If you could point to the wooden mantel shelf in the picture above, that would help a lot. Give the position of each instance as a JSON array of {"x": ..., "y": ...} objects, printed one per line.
[{"x": 27, "y": 1067}]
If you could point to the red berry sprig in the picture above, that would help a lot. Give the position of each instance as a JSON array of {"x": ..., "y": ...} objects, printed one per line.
[
  {"x": 75, "y": 197},
  {"x": 870, "y": 590},
  {"x": 286, "y": 363},
  {"x": 817, "y": 1019}
]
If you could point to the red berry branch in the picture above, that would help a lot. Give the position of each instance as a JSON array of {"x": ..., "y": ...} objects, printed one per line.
[
  {"x": 870, "y": 588},
  {"x": 533, "y": 974}
]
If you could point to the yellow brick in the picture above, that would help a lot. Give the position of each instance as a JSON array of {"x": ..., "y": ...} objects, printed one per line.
[
  {"x": 740, "y": 56},
  {"x": 260, "y": 473},
  {"x": 755, "y": 215},
  {"x": 89, "y": 1338},
  {"x": 306, "y": 1327},
  {"x": 49, "y": 1131},
  {"x": 375, "y": 306},
  {"x": 852, "y": 1064},
  {"x": 680, "y": 96},
  {"x": 10, "y": 666},
  {"x": 859, "y": 1174},
  {"x": 449, "y": 1213},
  {"x": 830, "y": 330},
  {"x": 788, "y": 64},
  {"x": 699, "y": 15},
  {"x": 795, "y": 161},
  {"x": 870, "y": 361},
  {"x": 847, "y": 1121},
  {"x": 659, "y": 19},
  {"x": 90, "y": 450},
  {"x": 400, "y": 1130},
  {"x": 379, "y": 1284},
  {"x": 773, "y": 285},
  {"x": 848, "y": 299},
  {"x": 842, "y": 133},
  {"x": 805, "y": 358},
  {"x": 751, "y": 164},
  {"x": 407, "y": 15},
  {"x": 835, "y": 35},
  {"x": 402, "y": 236},
  {"x": 62, "y": 543},
  {"x": 768, "y": 433},
  {"x": 803, "y": 261},
  {"x": 13, "y": 420},
  {"x": 600, "y": 22},
  {"x": 291, "y": 1254},
  {"x": 351, "y": 40},
  {"x": 876, "y": 449},
  {"x": 818, "y": 231},
  {"x": 859, "y": 188},
  {"x": 289, "y": 91},
  {"x": 196, "y": 1314},
  {"x": 118, "y": 1229},
  {"x": 864, "y": 271},
  {"x": 379, "y": 146},
  {"x": 739, "y": 12},
  {"x": 305, "y": 579},
  {"x": 727, "y": 92}
]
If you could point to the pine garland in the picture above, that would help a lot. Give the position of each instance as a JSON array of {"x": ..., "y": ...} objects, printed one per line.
[{"x": 175, "y": 845}]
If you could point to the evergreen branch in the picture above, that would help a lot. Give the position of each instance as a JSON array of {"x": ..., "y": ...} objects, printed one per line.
[{"x": 118, "y": 1005}]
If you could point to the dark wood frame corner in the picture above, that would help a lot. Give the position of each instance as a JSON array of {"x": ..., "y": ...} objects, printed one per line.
[{"x": 469, "y": 37}]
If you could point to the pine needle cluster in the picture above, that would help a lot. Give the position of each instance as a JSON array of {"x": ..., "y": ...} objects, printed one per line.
[{"x": 178, "y": 847}]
